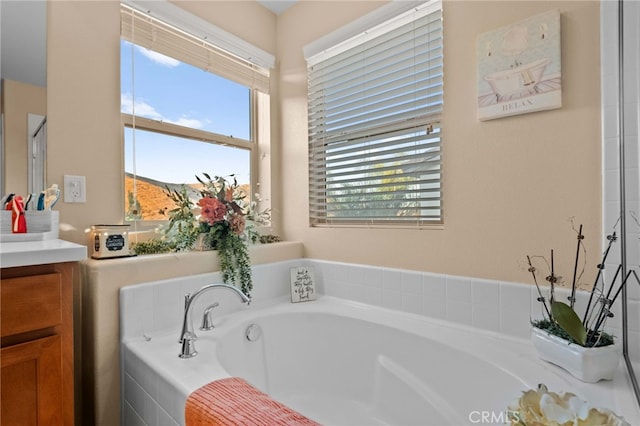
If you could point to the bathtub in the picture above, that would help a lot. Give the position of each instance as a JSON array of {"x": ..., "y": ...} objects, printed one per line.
[{"x": 341, "y": 362}]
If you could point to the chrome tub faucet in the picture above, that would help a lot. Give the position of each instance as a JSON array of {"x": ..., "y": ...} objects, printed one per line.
[{"x": 187, "y": 335}]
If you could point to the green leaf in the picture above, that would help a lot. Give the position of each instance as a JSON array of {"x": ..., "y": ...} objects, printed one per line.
[{"x": 569, "y": 321}]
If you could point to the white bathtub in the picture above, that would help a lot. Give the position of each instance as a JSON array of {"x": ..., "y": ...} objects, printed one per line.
[{"x": 346, "y": 363}]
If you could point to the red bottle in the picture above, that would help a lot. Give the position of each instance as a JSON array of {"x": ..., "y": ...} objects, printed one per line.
[{"x": 18, "y": 221}]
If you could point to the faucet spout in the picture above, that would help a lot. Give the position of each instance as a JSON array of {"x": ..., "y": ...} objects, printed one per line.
[{"x": 187, "y": 335}]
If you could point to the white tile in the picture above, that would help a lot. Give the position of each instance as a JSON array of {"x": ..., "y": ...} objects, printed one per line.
[
  {"x": 610, "y": 90},
  {"x": 131, "y": 418},
  {"x": 133, "y": 394},
  {"x": 411, "y": 283},
  {"x": 485, "y": 293},
  {"x": 515, "y": 297},
  {"x": 168, "y": 306},
  {"x": 373, "y": 277},
  {"x": 610, "y": 121},
  {"x": 141, "y": 373},
  {"x": 611, "y": 185},
  {"x": 392, "y": 280},
  {"x": 515, "y": 322},
  {"x": 165, "y": 419},
  {"x": 459, "y": 312},
  {"x": 373, "y": 296},
  {"x": 143, "y": 307},
  {"x": 412, "y": 303},
  {"x": 339, "y": 289},
  {"x": 434, "y": 285},
  {"x": 357, "y": 274},
  {"x": 434, "y": 307},
  {"x": 168, "y": 401},
  {"x": 357, "y": 292},
  {"x": 140, "y": 401},
  {"x": 331, "y": 288},
  {"x": 485, "y": 317},
  {"x": 611, "y": 154},
  {"x": 633, "y": 315},
  {"x": 633, "y": 289},
  {"x": 391, "y": 299},
  {"x": 336, "y": 272},
  {"x": 458, "y": 288},
  {"x": 634, "y": 346}
]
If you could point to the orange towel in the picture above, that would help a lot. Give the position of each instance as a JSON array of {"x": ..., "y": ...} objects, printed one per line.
[{"x": 233, "y": 401}]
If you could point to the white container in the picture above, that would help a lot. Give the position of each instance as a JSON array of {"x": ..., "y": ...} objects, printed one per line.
[
  {"x": 41, "y": 225},
  {"x": 109, "y": 241},
  {"x": 587, "y": 364}
]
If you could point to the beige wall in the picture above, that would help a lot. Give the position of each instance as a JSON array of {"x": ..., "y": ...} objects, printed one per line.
[
  {"x": 510, "y": 185},
  {"x": 84, "y": 133},
  {"x": 18, "y": 100}
]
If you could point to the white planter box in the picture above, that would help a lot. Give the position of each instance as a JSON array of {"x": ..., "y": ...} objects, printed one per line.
[{"x": 587, "y": 364}]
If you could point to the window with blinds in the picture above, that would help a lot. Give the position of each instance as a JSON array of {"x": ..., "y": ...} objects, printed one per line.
[
  {"x": 188, "y": 107},
  {"x": 374, "y": 124},
  {"x": 154, "y": 34}
]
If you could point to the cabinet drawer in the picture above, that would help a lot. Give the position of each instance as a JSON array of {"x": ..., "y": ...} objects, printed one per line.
[{"x": 30, "y": 303}]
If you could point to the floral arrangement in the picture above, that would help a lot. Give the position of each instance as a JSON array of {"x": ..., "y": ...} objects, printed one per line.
[
  {"x": 560, "y": 318},
  {"x": 541, "y": 407},
  {"x": 223, "y": 220}
]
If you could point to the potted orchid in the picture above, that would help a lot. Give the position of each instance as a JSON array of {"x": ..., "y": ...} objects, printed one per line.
[{"x": 579, "y": 344}]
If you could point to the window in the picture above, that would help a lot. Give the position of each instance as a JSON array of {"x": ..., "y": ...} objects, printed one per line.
[
  {"x": 375, "y": 102},
  {"x": 187, "y": 108}
]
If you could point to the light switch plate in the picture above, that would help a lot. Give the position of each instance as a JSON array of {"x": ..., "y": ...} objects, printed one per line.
[{"x": 75, "y": 189}]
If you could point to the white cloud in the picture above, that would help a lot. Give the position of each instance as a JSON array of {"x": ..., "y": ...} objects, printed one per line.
[
  {"x": 144, "y": 109},
  {"x": 189, "y": 122},
  {"x": 158, "y": 58}
]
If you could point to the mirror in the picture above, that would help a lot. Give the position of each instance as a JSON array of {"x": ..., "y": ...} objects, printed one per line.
[{"x": 23, "y": 74}]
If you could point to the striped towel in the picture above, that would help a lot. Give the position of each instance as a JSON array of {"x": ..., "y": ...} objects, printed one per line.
[{"x": 233, "y": 401}]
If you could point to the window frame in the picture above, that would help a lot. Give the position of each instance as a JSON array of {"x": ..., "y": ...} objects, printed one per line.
[
  {"x": 216, "y": 51},
  {"x": 203, "y": 136}
]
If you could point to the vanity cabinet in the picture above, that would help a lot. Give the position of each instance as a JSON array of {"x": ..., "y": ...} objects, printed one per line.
[{"x": 36, "y": 355}]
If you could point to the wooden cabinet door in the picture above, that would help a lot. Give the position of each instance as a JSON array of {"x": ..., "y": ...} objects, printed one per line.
[{"x": 31, "y": 386}]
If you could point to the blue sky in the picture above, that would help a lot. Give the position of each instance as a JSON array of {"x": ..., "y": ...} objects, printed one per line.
[{"x": 178, "y": 93}]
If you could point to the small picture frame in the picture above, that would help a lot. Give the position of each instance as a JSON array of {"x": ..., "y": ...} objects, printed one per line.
[{"x": 303, "y": 284}]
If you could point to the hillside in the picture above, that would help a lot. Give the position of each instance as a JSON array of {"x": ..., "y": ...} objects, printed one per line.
[{"x": 151, "y": 196}]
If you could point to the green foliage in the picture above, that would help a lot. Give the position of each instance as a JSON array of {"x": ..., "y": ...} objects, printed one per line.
[
  {"x": 569, "y": 321},
  {"x": 390, "y": 194},
  {"x": 134, "y": 211},
  {"x": 235, "y": 263},
  {"x": 152, "y": 247},
  {"x": 601, "y": 339},
  {"x": 183, "y": 227},
  {"x": 268, "y": 239}
]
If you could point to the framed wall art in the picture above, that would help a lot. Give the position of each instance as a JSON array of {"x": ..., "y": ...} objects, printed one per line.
[{"x": 519, "y": 67}]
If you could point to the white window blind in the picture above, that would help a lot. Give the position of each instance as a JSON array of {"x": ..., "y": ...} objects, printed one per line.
[
  {"x": 153, "y": 34},
  {"x": 374, "y": 125}
]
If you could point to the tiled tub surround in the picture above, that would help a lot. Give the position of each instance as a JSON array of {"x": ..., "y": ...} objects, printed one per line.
[
  {"x": 101, "y": 282},
  {"x": 151, "y": 315},
  {"x": 612, "y": 169}
]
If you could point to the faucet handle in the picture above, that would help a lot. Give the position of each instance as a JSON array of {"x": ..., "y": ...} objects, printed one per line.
[
  {"x": 188, "y": 349},
  {"x": 207, "y": 317}
]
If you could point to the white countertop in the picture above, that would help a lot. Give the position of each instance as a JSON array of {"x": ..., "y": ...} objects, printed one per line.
[{"x": 40, "y": 252}]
